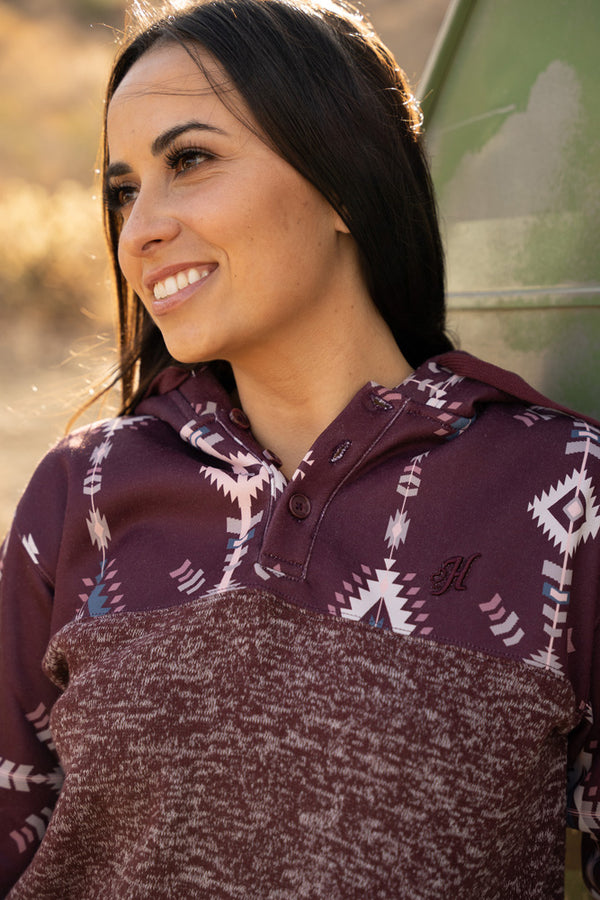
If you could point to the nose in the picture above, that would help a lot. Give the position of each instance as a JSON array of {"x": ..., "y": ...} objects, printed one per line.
[{"x": 148, "y": 225}]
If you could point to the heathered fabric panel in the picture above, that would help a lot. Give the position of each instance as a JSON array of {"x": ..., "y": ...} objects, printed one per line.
[{"x": 240, "y": 747}]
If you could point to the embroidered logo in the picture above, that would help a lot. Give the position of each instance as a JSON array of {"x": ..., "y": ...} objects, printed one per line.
[{"x": 452, "y": 574}]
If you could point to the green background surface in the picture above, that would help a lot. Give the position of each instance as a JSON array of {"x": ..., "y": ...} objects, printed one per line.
[{"x": 513, "y": 126}]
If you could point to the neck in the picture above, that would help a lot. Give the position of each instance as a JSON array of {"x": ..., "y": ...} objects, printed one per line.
[{"x": 291, "y": 400}]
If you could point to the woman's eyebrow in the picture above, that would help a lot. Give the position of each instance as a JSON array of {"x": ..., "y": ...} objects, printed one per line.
[
  {"x": 116, "y": 169},
  {"x": 160, "y": 144}
]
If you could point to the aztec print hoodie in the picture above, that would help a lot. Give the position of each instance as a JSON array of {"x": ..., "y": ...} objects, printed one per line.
[{"x": 379, "y": 679}]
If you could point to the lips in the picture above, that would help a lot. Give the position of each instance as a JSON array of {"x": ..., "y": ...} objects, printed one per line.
[
  {"x": 180, "y": 280},
  {"x": 173, "y": 285}
]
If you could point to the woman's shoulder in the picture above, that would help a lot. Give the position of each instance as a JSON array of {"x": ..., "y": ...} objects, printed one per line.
[
  {"x": 88, "y": 441},
  {"x": 123, "y": 444},
  {"x": 511, "y": 387},
  {"x": 79, "y": 454},
  {"x": 516, "y": 425}
]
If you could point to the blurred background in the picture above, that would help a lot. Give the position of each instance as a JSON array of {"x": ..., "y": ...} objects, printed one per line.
[
  {"x": 55, "y": 293},
  {"x": 55, "y": 311}
]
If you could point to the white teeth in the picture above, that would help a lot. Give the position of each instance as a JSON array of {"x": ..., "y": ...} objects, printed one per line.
[
  {"x": 177, "y": 282},
  {"x": 171, "y": 286}
]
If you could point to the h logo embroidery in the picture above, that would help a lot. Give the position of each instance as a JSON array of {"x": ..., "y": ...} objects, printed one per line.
[{"x": 452, "y": 574}]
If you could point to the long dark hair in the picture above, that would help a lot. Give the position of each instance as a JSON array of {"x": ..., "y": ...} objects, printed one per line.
[{"x": 329, "y": 97}]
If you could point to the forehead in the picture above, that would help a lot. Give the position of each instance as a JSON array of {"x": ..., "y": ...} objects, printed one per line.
[{"x": 167, "y": 77}]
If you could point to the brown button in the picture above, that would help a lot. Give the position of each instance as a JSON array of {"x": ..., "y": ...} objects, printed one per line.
[
  {"x": 239, "y": 418},
  {"x": 299, "y": 506},
  {"x": 272, "y": 457}
]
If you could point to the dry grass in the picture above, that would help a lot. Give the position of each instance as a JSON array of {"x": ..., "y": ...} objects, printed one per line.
[
  {"x": 54, "y": 295},
  {"x": 52, "y": 260}
]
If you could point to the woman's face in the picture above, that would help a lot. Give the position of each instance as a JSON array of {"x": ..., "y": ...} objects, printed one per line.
[{"x": 231, "y": 250}]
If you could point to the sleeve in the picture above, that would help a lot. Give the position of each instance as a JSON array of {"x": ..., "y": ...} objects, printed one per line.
[
  {"x": 581, "y": 572},
  {"x": 30, "y": 775},
  {"x": 583, "y": 781}
]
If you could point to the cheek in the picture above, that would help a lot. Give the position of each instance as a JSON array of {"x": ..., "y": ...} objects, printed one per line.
[
  {"x": 276, "y": 201},
  {"x": 123, "y": 258},
  {"x": 131, "y": 271}
]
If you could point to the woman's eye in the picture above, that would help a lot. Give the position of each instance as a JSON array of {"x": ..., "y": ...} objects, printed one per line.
[
  {"x": 120, "y": 195},
  {"x": 183, "y": 160}
]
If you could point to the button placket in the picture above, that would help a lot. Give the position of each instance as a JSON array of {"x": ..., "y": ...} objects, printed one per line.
[
  {"x": 374, "y": 401},
  {"x": 294, "y": 525},
  {"x": 272, "y": 458},
  {"x": 299, "y": 505},
  {"x": 239, "y": 418},
  {"x": 339, "y": 451}
]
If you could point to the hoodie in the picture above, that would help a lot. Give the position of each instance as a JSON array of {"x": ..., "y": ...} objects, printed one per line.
[{"x": 377, "y": 679}]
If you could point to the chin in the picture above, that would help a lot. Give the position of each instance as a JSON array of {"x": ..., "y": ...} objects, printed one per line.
[
  {"x": 186, "y": 359},
  {"x": 186, "y": 355}
]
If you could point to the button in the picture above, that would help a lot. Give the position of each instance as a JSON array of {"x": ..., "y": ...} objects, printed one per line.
[
  {"x": 239, "y": 418},
  {"x": 272, "y": 458},
  {"x": 299, "y": 506}
]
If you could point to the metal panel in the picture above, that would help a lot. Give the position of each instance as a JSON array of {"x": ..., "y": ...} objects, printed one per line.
[{"x": 512, "y": 113}]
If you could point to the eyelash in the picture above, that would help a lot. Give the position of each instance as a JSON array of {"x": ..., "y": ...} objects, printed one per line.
[
  {"x": 176, "y": 155},
  {"x": 175, "y": 159}
]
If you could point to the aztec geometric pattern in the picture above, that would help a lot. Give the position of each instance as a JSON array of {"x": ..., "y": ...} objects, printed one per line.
[
  {"x": 383, "y": 599},
  {"x": 97, "y": 599},
  {"x": 20, "y": 777},
  {"x": 568, "y": 513},
  {"x": 243, "y": 486},
  {"x": 381, "y": 596},
  {"x": 503, "y": 624}
]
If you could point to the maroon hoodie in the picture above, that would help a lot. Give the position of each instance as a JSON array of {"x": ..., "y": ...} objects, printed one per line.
[{"x": 376, "y": 680}]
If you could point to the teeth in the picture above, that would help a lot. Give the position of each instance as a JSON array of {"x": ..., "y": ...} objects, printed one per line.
[{"x": 177, "y": 282}]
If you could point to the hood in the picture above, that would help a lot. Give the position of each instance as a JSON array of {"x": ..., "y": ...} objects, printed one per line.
[{"x": 444, "y": 396}]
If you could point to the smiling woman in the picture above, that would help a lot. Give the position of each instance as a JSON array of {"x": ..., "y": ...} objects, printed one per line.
[
  {"x": 266, "y": 639},
  {"x": 233, "y": 253}
]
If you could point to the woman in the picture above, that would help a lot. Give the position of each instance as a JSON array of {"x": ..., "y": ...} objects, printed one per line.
[{"x": 300, "y": 629}]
